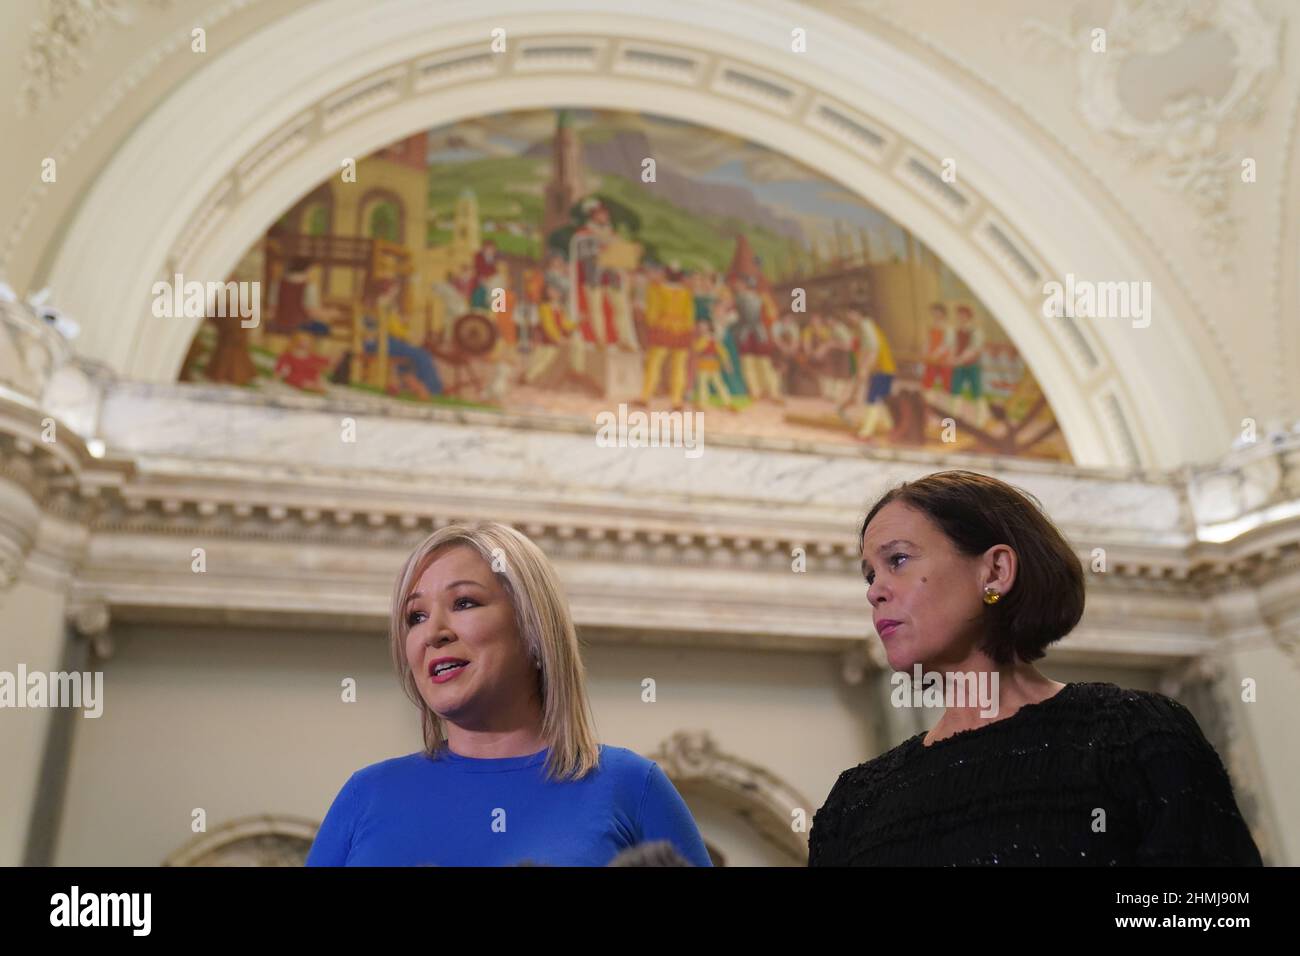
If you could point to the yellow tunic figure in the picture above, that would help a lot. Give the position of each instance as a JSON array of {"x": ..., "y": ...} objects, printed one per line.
[{"x": 669, "y": 316}]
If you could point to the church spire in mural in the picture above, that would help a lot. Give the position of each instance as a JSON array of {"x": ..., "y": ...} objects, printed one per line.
[
  {"x": 744, "y": 263},
  {"x": 565, "y": 186}
]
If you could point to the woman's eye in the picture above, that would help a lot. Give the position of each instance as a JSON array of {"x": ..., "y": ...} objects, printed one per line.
[
  {"x": 464, "y": 602},
  {"x": 871, "y": 578},
  {"x": 414, "y": 618},
  {"x": 894, "y": 559}
]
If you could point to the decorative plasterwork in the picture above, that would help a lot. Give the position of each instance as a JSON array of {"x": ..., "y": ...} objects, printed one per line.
[
  {"x": 1187, "y": 139},
  {"x": 296, "y": 542},
  {"x": 90, "y": 120},
  {"x": 694, "y": 763},
  {"x": 201, "y": 507},
  {"x": 58, "y": 45},
  {"x": 270, "y": 840}
]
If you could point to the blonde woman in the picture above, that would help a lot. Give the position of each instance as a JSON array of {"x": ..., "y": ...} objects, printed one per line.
[{"x": 511, "y": 769}]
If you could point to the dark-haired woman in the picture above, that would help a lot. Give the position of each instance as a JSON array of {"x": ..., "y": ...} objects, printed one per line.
[{"x": 967, "y": 578}]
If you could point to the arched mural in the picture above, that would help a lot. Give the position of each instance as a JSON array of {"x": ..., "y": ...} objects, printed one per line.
[{"x": 569, "y": 261}]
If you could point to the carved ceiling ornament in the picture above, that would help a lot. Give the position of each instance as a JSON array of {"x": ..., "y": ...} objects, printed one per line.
[
  {"x": 1185, "y": 137},
  {"x": 57, "y": 45}
]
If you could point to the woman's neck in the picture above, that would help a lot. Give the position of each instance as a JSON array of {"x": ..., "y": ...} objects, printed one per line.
[
  {"x": 1016, "y": 686},
  {"x": 492, "y": 744}
]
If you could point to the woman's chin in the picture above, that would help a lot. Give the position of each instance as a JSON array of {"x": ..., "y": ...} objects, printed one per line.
[
  {"x": 443, "y": 705},
  {"x": 899, "y": 659}
]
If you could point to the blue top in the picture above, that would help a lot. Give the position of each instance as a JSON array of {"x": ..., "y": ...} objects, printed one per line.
[{"x": 468, "y": 811}]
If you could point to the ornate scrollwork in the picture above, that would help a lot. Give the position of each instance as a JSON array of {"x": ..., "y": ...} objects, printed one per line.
[
  {"x": 692, "y": 760},
  {"x": 1186, "y": 135},
  {"x": 58, "y": 44},
  {"x": 268, "y": 840}
]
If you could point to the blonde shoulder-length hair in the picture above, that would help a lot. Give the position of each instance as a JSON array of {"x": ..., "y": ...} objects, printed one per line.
[{"x": 544, "y": 624}]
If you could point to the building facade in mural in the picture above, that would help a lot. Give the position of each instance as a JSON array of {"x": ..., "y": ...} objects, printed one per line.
[{"x": 570, "y": 261}]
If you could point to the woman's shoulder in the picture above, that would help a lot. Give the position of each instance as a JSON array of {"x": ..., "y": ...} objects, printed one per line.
[
  {"x": 622, "y": 762},
  {"x": 1138, "y": 713},
  {"x": 390, "y": 771},
  {"x": 1112, "y": 714},
  {"x": 858, "y": 783}
]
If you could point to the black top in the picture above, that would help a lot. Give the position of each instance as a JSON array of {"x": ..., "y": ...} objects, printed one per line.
[{"x": 1094, "y": 775}]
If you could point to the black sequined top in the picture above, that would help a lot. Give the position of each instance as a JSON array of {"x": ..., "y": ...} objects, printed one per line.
[{"x": 1094, "y": 775}]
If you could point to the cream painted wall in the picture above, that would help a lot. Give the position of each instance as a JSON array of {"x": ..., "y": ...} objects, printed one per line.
[
  {"x": 1269, "y": 724},
  {"x": 245, "y": 723},
  {"x": 31, "y": 633}
]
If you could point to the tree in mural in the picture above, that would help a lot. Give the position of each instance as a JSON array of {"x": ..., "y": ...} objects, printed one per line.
[{"x": 231, "y": 362}]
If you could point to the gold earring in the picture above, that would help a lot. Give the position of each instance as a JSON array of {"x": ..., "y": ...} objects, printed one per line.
[{"x": 991, "y": 596}]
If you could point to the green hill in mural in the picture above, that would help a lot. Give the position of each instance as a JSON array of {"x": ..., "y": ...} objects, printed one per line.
[
  {"x": 509, "y": 189},
  {"x": 693, "y": 239}
]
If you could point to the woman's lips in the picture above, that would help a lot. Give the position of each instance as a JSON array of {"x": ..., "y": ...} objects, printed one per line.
[
  {"x": 447, "y": 674},
  {"x": 885, "y": 628}
]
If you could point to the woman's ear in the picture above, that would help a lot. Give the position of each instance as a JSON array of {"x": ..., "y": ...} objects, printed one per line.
[{"x": 1000, "y": 566}]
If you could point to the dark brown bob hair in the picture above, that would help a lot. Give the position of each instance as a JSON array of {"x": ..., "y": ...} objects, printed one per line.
[{"x": 976, "y": 512}]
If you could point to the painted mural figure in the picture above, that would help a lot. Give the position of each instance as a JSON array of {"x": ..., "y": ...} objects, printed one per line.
[
  {"x": 554, "y": 331},
  {"x": 938, "y": 356},
  {"x": 299, "y": 366},
  {"x": 755, "y": 343},
  {"x": 382, "y": 318},
  {"x": 711, "y": 359},
  {"x": 967, "y": 352},
  {"x": 787, "y": 344},
  {"x": 876, "y": 370},
  {"x": 840, "y": 360},
  {"x": 533, "y": 292},
  {"x": 504, "y": 357},
  {"x": 620, "y": 306},
  {"x": 670, "y": 317},
  {"x": 724, "y": 318},
  {"x": 485, "y": 269},
  {"x": 454, "y": 302},
  {"x": 297, "y": 301},
  {"x": 594, "y": 306}
]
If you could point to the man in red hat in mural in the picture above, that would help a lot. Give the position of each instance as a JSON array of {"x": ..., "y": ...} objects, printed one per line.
[{"x": 595, "y": 312}]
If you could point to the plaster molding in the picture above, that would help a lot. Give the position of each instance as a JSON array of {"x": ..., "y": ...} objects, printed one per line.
[
  {"x": 91, "y": 119},
  {"x": 694, "y": 762},
  {"x": 59, "y": 45},
  {"x": 266, "y": 840}
]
